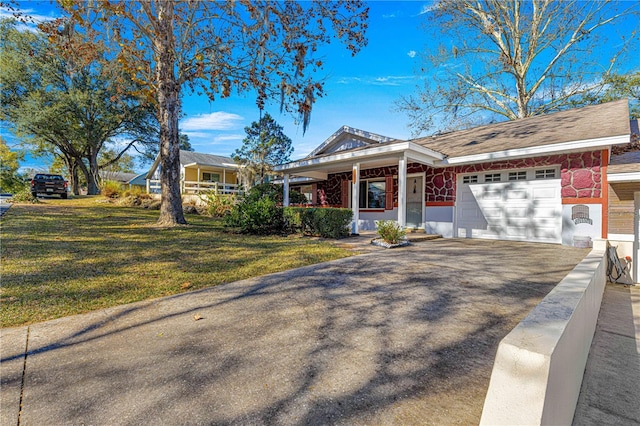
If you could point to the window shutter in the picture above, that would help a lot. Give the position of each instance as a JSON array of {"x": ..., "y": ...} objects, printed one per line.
[
  {"x": 345, "y": 193},
  {"x": 388, "y": 186}
]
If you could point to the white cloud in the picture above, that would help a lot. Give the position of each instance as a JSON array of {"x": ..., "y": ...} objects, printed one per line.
[
  {"x": 411, "y": 53},
  {"x": 388, "y": 80},
  {"x": 392, "y": 80},
  {"x": 218, "y": 120},
  {"x": 235, "y": 137},
  {"x": 429, "y": 7}
]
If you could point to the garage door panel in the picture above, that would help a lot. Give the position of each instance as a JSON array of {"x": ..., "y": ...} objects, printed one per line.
[
  {"x": 492, "y": 213},
  {"x": 528, "y": 210},
  {"x": 545, "y": 193},
  {"x": 517, "y": 232},
  {"x": 517, "y": 194}
]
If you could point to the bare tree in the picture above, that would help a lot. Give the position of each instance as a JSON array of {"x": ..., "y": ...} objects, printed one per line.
[
  {"x": 266, "y": 47},
  {"x": 513, "y": 59}
]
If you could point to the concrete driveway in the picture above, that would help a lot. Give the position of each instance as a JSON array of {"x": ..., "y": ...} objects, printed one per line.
[{"x": 403, "y": 336}]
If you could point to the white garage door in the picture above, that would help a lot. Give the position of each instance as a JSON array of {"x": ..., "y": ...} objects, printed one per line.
[{"x": 521, "y": 205}]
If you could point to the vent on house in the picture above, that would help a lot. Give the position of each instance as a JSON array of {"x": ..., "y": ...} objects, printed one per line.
[
  {"x": 470, "y": 179},
  {"x": 580, "y": 214}
]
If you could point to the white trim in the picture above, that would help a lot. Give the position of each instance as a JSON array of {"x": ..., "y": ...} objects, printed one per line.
[
  {"x": 538, "y": 150},
  {"x": 418, "y": 153},
  {"x": 355, "y": 197},
  {"x": 620, "y": 237},
  {"x": 285, "y": 190},
  {"x": 402, "y": 191},
  {"x": 624, "y": 177},
  {"x": 212, "y": 166}
]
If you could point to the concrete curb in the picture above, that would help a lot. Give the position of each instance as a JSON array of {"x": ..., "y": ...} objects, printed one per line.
[{"x": 539, "y": 366}]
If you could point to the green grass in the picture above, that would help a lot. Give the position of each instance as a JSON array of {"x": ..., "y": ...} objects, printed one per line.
[{"x": 65, "y": 257}]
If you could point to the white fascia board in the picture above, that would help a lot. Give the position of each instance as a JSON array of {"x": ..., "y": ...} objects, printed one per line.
[
  {"x": 539, "y": 150},
  {"x": 620, "y": 237},
  {"x": 353, "y": 131},
  {"x": 624, "y": 177},
  {"x": 153, "y": 168},
  {"x": 220, "y": 166},
  {"x": 411, "y": 149}
]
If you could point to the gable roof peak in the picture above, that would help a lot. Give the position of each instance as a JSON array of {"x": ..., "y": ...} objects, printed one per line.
[{"x": 342, "y": 135}]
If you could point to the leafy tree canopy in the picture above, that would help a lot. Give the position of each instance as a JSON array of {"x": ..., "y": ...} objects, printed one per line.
[
  {"x": 265, "y": 146},
  {"x": 69, "y": 102},
  {"x": 10, "y": 179}
]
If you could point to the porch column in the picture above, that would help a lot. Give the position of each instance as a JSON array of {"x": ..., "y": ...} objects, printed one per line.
[
  {"x": 285, "y": 201},
  {"x": 198, "y": 179},
  {"x": 402, "y": 191},
  {"x": 148, "y": 185},
  {"x": 355, "y": 198}
]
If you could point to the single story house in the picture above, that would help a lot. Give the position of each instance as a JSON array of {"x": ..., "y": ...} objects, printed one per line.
[
  {"x": 200, "y": 172},
  {"x": 541, "y": 179}
]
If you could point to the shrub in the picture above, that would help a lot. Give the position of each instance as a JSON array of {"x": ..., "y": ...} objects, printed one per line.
[
  {"x": 24, "y": 196},
  {"x": 260, "y": 217},
  {"x": 135, "y": 191},
  {"x": 324, "y": 222},
  {"x": 218, "y": 205},
  {"x": 274, "y": 192},
  {"x": 292, "y": 217},
  {"x": 390, "y": 231},
  {"x": 111, "y": 189}
]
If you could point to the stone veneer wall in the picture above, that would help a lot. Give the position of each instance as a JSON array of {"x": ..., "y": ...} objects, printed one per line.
[{"x": 581, "y": 176}]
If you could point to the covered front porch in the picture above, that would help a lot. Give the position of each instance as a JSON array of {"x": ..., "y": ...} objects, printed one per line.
[
  {"x": 202, "y": 177},
  {"x": 383, "y": 182}
]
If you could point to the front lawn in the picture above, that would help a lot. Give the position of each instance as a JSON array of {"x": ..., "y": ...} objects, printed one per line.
[{"x": 65, "y": 257}]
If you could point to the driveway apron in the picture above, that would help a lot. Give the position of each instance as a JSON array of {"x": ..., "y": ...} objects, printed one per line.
[{"x": 402, "y": 336}]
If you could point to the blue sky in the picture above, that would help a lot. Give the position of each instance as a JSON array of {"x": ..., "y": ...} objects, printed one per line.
[{"x": 360, "y": 90}]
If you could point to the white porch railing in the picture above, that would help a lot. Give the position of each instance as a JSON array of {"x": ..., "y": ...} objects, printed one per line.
[{"x": 194, "y": 187}]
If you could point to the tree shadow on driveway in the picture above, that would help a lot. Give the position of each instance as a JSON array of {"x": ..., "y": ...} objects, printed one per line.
[{"x": 402, "y": 336}]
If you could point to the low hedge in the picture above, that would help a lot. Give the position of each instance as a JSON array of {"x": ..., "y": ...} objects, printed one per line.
[{"x": 323, "y": 222}]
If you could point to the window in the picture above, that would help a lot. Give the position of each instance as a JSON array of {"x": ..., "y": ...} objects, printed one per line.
[
  {"x": 372, "y": 194},
  {"x": 307, "y": 191},
  {"x": 470, "y": 179},
  {"x": 546, "y": 174},
  {"x": 211, "y": 177},
  {"x": 518, "y": 175},
  {"x": 492, "y": 177}
]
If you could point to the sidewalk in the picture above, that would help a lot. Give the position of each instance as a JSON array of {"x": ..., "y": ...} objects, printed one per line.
[{"x": 610, "y": 391}]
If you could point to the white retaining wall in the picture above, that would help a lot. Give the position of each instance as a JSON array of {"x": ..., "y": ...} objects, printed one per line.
[{"x": 539, "y": 366}]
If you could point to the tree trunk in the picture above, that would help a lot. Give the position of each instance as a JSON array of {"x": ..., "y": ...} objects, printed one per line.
[
  {"x": 72, "y": 167},
  {"x": 93, "y": 177},
  {"x": 171, "y": 212},
  {"x": 83, "y": 168}
]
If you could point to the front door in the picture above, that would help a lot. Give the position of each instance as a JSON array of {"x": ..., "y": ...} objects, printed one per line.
[{"x": 415, "y": 201}]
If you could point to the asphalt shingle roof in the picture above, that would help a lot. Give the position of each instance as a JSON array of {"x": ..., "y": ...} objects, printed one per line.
[
  {"x": 189, "y": 157},
  {"x": 591, "y": 122}
]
